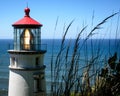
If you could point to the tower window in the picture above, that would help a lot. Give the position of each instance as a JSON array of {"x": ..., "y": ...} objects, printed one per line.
[
  {"x": 37, "y": 61},
  {"x": 37, "y": 84},
  {"x": 38, "y": 80},
  {"x": 13, "y": 61}
]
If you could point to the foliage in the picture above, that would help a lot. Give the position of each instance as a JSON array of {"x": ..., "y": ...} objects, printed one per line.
[
  {"x": 111, "y": 78},
  {"x": 65, "y": 68}
]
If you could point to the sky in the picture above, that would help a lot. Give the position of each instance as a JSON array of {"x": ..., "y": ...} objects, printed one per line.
[{"x": 48, "y": 12}]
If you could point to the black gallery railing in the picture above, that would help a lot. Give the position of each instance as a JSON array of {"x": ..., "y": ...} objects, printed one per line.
[{"x": 28, "y": 47}]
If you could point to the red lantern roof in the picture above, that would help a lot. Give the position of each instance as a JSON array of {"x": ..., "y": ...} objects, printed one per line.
[{"x": 27, "y": 20}]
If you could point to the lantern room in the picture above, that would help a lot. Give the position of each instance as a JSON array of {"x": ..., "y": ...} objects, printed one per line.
[{"x": 27, "y": 33}]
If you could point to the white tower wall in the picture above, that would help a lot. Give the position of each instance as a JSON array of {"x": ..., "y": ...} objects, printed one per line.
[
  {"x": 27, "y": 75},
  {"x": 21, "y": 83},
  {"x": 21, "y": 60}
]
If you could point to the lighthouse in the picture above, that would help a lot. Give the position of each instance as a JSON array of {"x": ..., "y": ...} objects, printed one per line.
[{"x": 27, "y": 69}]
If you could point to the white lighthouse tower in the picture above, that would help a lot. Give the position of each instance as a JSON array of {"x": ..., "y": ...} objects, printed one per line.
[{"x": 27, "y": 69}]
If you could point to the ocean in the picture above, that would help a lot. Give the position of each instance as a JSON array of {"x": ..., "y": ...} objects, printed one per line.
[{"x": 107, "y": 48}]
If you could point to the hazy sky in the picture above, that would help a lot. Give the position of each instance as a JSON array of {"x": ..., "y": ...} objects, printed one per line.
[{"x": 47, "y": 12}]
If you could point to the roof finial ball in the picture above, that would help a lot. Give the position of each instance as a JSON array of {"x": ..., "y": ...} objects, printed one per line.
[{"x": 27, "y": 10}]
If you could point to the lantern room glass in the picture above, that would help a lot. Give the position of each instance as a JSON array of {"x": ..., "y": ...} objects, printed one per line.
[{"x": 27, "y": 39}]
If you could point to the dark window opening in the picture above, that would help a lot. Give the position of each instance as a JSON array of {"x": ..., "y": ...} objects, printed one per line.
[
  {"x": 38, "y": 83},
  {"x": 13, "y": 61},
  {"x": 37, "y": 61}
]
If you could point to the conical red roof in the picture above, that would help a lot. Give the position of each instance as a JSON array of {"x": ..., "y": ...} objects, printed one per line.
[{"x": 27, "y": 20}]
